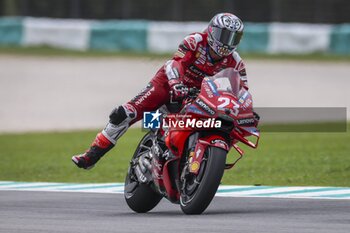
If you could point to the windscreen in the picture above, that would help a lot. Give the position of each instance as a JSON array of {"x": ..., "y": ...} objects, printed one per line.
[{"x": 227, "y": 80}]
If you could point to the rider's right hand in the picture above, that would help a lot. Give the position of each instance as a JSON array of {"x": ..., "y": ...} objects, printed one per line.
[
  {"x": 256, "y": 116},
  {"x": 178, "y": 90}
]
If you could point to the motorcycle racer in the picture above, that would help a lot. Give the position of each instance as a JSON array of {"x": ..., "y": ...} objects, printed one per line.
[{"x": 199, "y": 55}]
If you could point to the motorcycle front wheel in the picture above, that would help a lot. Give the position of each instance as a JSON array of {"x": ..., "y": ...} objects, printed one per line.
[
  {"x": 141, "y": 198},
  {"x": 198, "y": 190}
]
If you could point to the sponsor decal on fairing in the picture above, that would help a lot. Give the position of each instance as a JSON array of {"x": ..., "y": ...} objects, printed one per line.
[
  {"x": 204, "y": 106},
  {"x": 194, "y": 109},
  {"x": 247, "y": 104},
  {"x": 207, "y": 89},
  {"x": 212, "y": 86},
  {"x": 246, "y": 121},
  {"x": 243, "y": 97}
]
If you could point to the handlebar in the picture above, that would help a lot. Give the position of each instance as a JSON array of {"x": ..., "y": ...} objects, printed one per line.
[{"x": 193, "y": 92}]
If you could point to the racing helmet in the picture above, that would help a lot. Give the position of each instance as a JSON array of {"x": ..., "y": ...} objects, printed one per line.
[{"x": 225, "y": 31}]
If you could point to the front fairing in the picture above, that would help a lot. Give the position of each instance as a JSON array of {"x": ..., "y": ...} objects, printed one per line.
[{"x": 223, "y": 97}]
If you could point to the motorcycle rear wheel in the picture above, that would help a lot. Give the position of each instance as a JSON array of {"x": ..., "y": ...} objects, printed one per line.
[
  {"x": 141, "y": 198},
  {"x": 197, "y": 194}
]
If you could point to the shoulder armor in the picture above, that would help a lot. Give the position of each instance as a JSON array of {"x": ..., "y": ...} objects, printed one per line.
[{"x": 192, "y": 41}]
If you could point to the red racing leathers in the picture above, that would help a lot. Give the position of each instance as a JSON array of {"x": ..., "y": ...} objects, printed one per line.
[{"x": 190, "y": 64}]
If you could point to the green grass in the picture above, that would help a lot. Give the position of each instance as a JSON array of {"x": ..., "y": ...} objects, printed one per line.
[
  {"x": 290, "y": 159},
  {"x": 47, "y": 51}
]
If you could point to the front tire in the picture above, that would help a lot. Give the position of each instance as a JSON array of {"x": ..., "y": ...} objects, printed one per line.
[
  {"x": 197, "y": 195},
  {"x": 141, "y": 198}
]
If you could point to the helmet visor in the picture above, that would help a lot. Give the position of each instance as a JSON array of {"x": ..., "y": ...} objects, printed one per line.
[{"x": 226, "y": 37}]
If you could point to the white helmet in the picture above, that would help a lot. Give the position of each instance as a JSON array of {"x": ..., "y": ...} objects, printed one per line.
[{"x": 225, "y": 31}]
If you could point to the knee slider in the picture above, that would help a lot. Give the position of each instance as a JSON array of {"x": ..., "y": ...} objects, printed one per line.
[{"x": 119, "y": 115}]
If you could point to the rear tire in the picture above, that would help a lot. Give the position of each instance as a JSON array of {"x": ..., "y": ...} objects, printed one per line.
[
  {"x": 141, "y": 198},
  {"x": 200, "y": 198}
]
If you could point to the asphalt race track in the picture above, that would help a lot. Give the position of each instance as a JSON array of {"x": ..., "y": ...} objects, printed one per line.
[{"x": 22, "y": 211}]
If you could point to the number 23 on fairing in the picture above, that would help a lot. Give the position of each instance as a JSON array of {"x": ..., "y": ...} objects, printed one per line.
[{"x": 228, "y": 103}]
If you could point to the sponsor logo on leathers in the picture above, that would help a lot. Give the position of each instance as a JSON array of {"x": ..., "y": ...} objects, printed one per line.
[
  {"x": 191, "y": 42},
  {"x": 144, "y": 94}
]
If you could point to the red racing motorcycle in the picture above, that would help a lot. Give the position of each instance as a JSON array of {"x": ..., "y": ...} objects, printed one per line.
[{"x": 184, "y": 158}]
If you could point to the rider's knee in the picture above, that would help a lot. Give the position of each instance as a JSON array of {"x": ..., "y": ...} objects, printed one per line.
[{"x": 123, "y": 113}]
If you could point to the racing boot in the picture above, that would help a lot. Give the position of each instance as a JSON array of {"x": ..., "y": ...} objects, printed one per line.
[
  {"x": 100, "y": 146},
  {"x": 119, "y": 121}
]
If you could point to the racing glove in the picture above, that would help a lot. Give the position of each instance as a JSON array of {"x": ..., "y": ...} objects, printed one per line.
[
  {"x": 178, "y": 91},
  {"x": 256, "y": 118}
]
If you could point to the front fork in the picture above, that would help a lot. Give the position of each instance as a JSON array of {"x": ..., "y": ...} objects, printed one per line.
[
  {"x": 196, "y": 156},
  {"x": 197, "y": 146}
]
